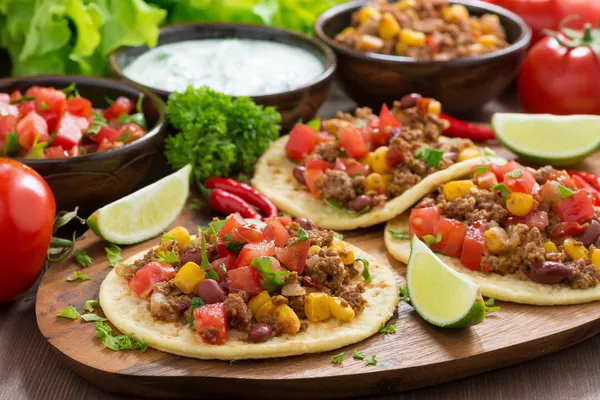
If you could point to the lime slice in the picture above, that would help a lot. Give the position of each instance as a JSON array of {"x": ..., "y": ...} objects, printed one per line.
[
  {"x": 145, "y": 213},
  {"x": 548, "y": 139},
  {"x": 439, "y": 294}
]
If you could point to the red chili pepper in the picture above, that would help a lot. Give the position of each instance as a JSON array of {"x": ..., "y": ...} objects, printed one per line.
[
  {"x": 593, "y": 180},
  {"x": 582, "y": 184},
  {"x": 466, "y": 130},
  {"x": 228, "y": 203},
  {"x": 246, "y": 192}
]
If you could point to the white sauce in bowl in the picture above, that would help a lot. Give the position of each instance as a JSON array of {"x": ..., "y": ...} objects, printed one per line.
[{"x": 237, "y": 67}]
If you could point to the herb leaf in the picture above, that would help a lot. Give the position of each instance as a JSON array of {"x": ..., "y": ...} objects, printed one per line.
[
  {"x": 68, "y": 312},
  {"x": 83, "y": 259},
  {"x": 403, "y": 291},
  {"x": 138, "y": 119},
  {"x": 488, "y": 152},
  {"x": 92, "y": 317},
  {"x": 116, "y": 342},
  {"x": 301, "y": 237},
  {"x": 515, "y": 173},
  {"x": 169, "y": 257},
  {"x": 223, "y": 269},
  {"x": 338, "y": 236},
  {"x": 235, "y": 247},
  {"x": 430, "y": 239},
  {"x": 366, "y": 273},
  {"x": 113, "y": 253},
  {"x": 78, "y": 276},
  {"x": 315, "y": 124},
  {"x": 504, "y": 192},
  {"x": 481, "y": 170},
  {"x": 338, "y": 358},
  {"x": 21, "y": 99},
  {"x": 196, "y": 302},
  {"x": 358, "y": 355},
  {"x": 430, "y": 156},
  {"x": 399, "y": 233},
  {"x": 63, "y": 218},
  {"x": 97, "y": 124},
  {"x": 334, "y": 204},
  {"x": 387, "y": 329},
  {"x": 271, "y": 280},
  {"x": 371, "y": 361},
  {"x": 12, "y": 146},
  {"x": 37, "y": 149},
  {"x": 565, "y": 192},
  {"x": 90, "y": 304},
  {"x": 490, "y": 305}
]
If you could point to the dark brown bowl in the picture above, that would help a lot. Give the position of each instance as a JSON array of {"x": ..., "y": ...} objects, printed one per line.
[
  {"x": 461, "y": 84},
  {"x": 298, "y": 104},
  {"x": 95, "y": 180}
]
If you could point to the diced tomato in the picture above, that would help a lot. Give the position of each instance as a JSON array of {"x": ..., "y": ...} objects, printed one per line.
[
  {"x": 285, "y": 220},
  {"x": 130, "y": 132},
  {"x": 75, "y": 151},
  {"x": 579, "y": 182},
  {"x": 473, "y": 246},
  {"x": 7, "y": 125},
  {"x": 210, "y": 322},
  {"x": 275, "y": 264},
  {"x": 563, "y": 178},
  {"x": 524, "y": 183},
  {"x": 80, "y": 107},
  {"x": 56, "y": 152},
  {"x": 232, "y": 222},
  {"x": 50, "y": 104},
  {"x": 122, "y": 105},
  {"x": 379, "y": 137},
  {"x": 537, "y": 219},
  {"x": 30, "y": 127},
  {"x": 228, "y": 261},
  {"x": 302, "y": 141},
  {"x": 254, "y": 250},
  {"x": 25, "y": 108},
  {"x": 245, "y": 278},
  {"x": 148, "y": 275},
  {"x": 318, "y": 164},
  {"x": 367, "y": 136},
  {"x": 578, "y": 208},
  {"x": 487, "y": 180},
  {"x": 453, "y": 235},
  {"x": 352, "y": 142},
  {"x": 500, "y": 170},
  {"x": 423, "y": 221},
  {"x": 104, "y": 145},
  {"x": 393, "y": 157},
  {"x": 294, "y": 256},
  {"x": 275, "y": 231},
  {"x": 70, "y": 131},
  {"x": 15, "y": 95},
  {"x": 570, "y": 228},
  {"x": 223, "y": 252},
  {"x": 247, "y": 233},
  {"x": 386, "y": 119},
  {"x": 351, "y": 166},
  {"x": 106, "y": 133},
  {"x": 5, "y": 98},
  {"x": 310, "y": 177}
]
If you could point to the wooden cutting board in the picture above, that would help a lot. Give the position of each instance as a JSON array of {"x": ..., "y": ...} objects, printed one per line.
[{"x": 417, "y": 355}]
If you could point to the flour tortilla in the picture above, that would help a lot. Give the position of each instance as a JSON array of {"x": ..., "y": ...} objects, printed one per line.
[
  {"x": 500, "y": 287},
  {"x": 129, "y": 313},
  {"x": 273, "y": 178}
]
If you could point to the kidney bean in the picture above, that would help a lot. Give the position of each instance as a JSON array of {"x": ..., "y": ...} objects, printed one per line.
[
  {"x": 224, "y": 285},
  {"x": 210, "y": 291},
  {"x": 410, "y": 100},
  {"x": 590, "y": 235},
  {"x": 192, "y": 256},
  {"x": 259, "y": 333},
  {"x": 394, "y": 132},
  {"x": 548, "y": 272},
  {"x": 298, "y": 173},
  {"x": 361, "y": 202},
  {"x": 305, "y": 223}
]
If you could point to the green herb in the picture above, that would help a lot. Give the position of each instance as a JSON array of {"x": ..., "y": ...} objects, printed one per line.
[
  {"x": 196, "y": 302},
  {"x": 564, "y": 191},
  {"x": 399, "y": 233},
  {"x": 166, "y": 237},
  {"x": 37, "y": 149},
  {"x": 403, "y": 291},
  {"x": 366, "y": 274},
  {"x": 98, "y": 122},
  {"x": 83, "y": 259},
  {"x": 216, "y": 226},
  {"x": 360, "y": 123},
  {"x": 139, "y": 104},
  {"x": 43, "y": 106},
  {"x": 64, "y": 217},
  {"x": 338, "y": 236},
  {"x": 22, "y": 99},
  {"x": 92, "y": 318},
  {"x": 68, "y": 312},
  {"x": 338, "y": 358},
  {"x": 387, "y": 329},
  {"x": 170, "y": 257},
  {"x": 481, "y": 170},
  {"x": 109, "y": 101},
  {"x": 113, "y": 253},
  {"x": 218, "y": 135},
  {"x": 78, "y": 276},
  {"x": 231, "y": 362},
  {"x": 504, "y": 192},
  {"x": 335, "y": 204},
  {"x": 301, "y": 236},
  {"x": 70, "y": 89},
  {"x": 430, "y": 239},
  {"x": 515, "y": 173},
  {"x": 430, "y": 156},
  {"x": 371, "y": 361},
  {"x": 315, "y": 124},
  {"x": 235, "y": 247},
  {"x": 490, "y": 305},
  {"x": 12, "y": 146},
  {"x": 211, "y": 274},
  {"x": 488, "y": 152},
  {"x": 203, "y": 252},
  {"x": 358, "y": 355},
  {"x": 90, "y": 304},
  {"x": 125, "y": 136},
  {"x": 195, "y": 206},
  {"x": 137, "y": 118},
  {"x": 116, "y": 342},
  {"x": 223, "y": 269},
  {"x": 271, "y": 280}
]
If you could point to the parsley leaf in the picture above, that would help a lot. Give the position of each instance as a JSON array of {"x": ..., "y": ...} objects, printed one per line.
[
  {"x": 481, "y": 170},
  {"x": 366, "y": 274},
  {"x": 515, "y": 173},
  {"x": 358, "y": 355},
  {"x": 137, "y": 118},
  {"x": 116, "y": 342},
  {"x": 404, "y": 294},
  {"x": 301, "y": 237},
  {"x": 399, "y": 233},
  {"x": 338, "y": 236},
  {"x": 37, "y": 149},
  {"x": 338, "y": 358},
  {"x": 113, "y": 253},
  {"x": 12, "y": 146},
  {"x": 169, "y": 257},
  {"x": 43, "y": 106},
  {"x": 371, "y": 361},
  {"x": 490, "y": 305},
  {"x": 78, "y": 276},
  {"x": 235, "y": 247},
  {"x": 92, "y": 317},
  {"x": 90, "y": 304},
  {"x": 504, "y": 192},
  {"x": 430, "y": 156},
  {"x": 488, "y": 152},
  {"x": 271, "y": 280},
  {"x": 211, "y": 274},
  {"x": 21, "y": 99},
  {"x": 196, "y": 302},
  {"x": 166, "y": 237},
  {"x": 334, "y": 204},
  {"x": 203, "y": 252},
  {"x": 97, "y": 124},
  {"x": 68, "y": 312},
  {"x": 194, "y": 206},
  {"x": 565, "y": 192},
  {"x": 387, "y": 329},
  {"x": 109, "y": 101},
  {"x": 83, "y": 259},
  {"x": 430, "y": 239},
  {"x": 315, "y": 124},
  {"x": 139, "y": 104}
]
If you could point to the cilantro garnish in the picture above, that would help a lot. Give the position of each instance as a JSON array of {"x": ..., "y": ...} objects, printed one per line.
[
  {"x": 271, "y": 280},
  {"x": 194, "y": 206},
  {"x": 196, "y": 302},
  {"x": 68, "y": 312},
  {"x": 403, "y": 291},
  {"x": 315, "y": 124},
  {"x": 12, "y": 146},
  {"x": 169, "y": 257},
  {"x": 22, "y": 99},
  {"x": 90, "y": 304},
  {"x": 109, "y": 101},
  {"x": 338, "y": 358},
  {"x": 488, "y": 152},
  {"x": 504, "y": 192},
  {"x": 371, "y": 361},
  {"x": 78, "y": 276},
  {"x": 70, "y": 89},
  {"x": 203, "y": 252},
  {"x": 37, "y": 149},
  {"x": 481, "y": 170},
  {"x": 211, "y": 274},
  {"x": 301, "y": 236},
  {"x": 92, "y": 317},
  {"x": 115, "y": 342},
  {"x": 338, "y": 236},
  {"x": 215, "y": 226},
  {"x": 430, "y": 156},
  {"x": 113, "y": 253},
  {"x": 43, "y": 106},
  {"x": 334, "y": 204},
  {"x": 166, "y": 237},
  {"x": 358, "y": 355},
  {"x": 399, "y": 233},
  {"x": 430, "y": 239},
  {"x": 565, "y": 192},
  {"x": 137, "y": 118},
  {"x": 490, "y": 305},
  {"x": 515, "y": 173},
  {"x": 139, "y": 104},
  {"x": 223, "y": 269},
  {"x": 235, "y": 247},
  {"x": 387, "y": 329},
  {"x": 83, "y": 259},
  {"x": 366, "y": 274},
  {"x": 97, "y": 124}
]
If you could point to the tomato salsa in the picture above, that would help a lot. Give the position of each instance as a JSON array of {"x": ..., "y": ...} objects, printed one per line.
[
  {"x": 261, "y": 278},
  {"x": 48, "y": 123},
  {"x": 509, "y": 219},
  {"x": 355, "y": 163}
]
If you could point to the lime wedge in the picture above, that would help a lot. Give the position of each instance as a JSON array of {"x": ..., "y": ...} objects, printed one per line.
[
  {"x": 439, "y": 294},
  {"x": 548, "y": 139},
  {"x": 145, "y": 213}
]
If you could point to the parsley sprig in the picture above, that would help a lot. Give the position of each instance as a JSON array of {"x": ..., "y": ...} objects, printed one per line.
[
  {"x": 271, "y": 280},
  {"x": 113, "y": 253},
  {"x": 399, "y": 234},
  {"x": 117, "y": 342},
  {"x": 429, "y": 155}
]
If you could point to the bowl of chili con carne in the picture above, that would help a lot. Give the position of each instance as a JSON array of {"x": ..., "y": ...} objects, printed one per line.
[{"x": 461, "y": 84}]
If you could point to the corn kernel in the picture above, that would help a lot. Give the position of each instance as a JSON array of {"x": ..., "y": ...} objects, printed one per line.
[
  {"x": 435, "y": 107},
  {"x": 455, "y": 13},
  {"x": 404, "y": 4},
  {"x": 575, "y": 251},
  {"x": 380, "y": 164},
  {"x": 474, "y": 25},
  {"x": 387, "y": 178},
  {"x": 369, "y": 43},
  {"x": 258, "y": 301},
  {"x": 312, "y": 250},
  {"x": 180, "y": 234},
  {"x": 401, "y": 48},
  {"x": 374, "y": 181},
  {"x": 412, "y": 38},
  {"x": 596, "y": 258},
  {"x": 287, "y": 320},
  {"x": 366, "y": 13},
  {"x": 489, "y": 23},
  {"x": 368, "y": 159},
  {"x": 488, "y": 41},
  {"x": 334, "y": 125},
  {"x": 388, "y": 27},
  {"x": 349, "y": 30},
  {"x": 468, "y": 153},
  {"x": 519, "y": 204},
  {"x": 550, "y": 247},
  {"x": 344, "y": 251},
  {"x": 495, "y": 239},
  {"x": 316, "y": 307},
  {"x": 265, "y": 311},
  {"x": 188, "y": 277},
  {"x": 340, "y": 309},
  {"x": 455, "y": 189}
]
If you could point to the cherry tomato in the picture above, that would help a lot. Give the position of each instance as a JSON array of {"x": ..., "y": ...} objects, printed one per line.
[
  {"x": 245, "y": 278},
  {"x": 210, "y": 322},
  {"x": 473, "y": 246},
  {"x": 148, "y": 275},
  {"x": 27, "y": 210},
  {"x": 302, "y": 141},
  {"x": 578, "y": 208},
  {"x": 453, "y": 235},
  {"x": 423, "y": 221},
  {"x": 582, "y": 184},
  {"x": 294, "y": 256}
]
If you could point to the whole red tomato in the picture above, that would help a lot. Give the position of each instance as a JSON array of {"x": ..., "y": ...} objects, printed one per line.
[
  {"x": 562, "y": 76},
  {"x": 27, "y": 211}
]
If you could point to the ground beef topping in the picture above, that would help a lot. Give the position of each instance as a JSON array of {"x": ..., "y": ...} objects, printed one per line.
[
  {"x": 327, "y": 151},
  {"x": 477, "y": 205},
  {"x": 238, "y": 313},
  {"x": 582, "y": 274},
  {"x": 337, "y": 186},
  {"x": 353, "y": 295},
  {"x": 326, "y": 268}
]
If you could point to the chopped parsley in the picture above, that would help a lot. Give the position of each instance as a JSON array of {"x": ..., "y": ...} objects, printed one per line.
[
  {"x": 71, "y": 90},
  {"x": 78, "y": 276},
  {"x": 195, "y": 206},
  {"x": 338, "y": 236},
  {"x": 92, "y": 317},
  {"x": 504, "y": 192},
  {"x": 271, "y": 280},
  {"x": 399, "y": 234},
  {"x": 315, "y": 124},
  {"x": 235, "y": 247},
  {"x": 116, "y": 342},
  {"x": 215, "y": 226},
  {"x": 371, "y": 361},
  {"x": 403, "y": 291},
  {"x": 481, "y": 170},
  {"x": 430, "y": 239},
  {"x": 169, "y": 257},
  {"x": 83, "y": 259},
  {"x": 137, "y": 118},
  {"x": 430, "y": 156},
  {"x": 113, "y": 253},
  {"x": 488, "y": 152},
  {"x": 211, "y": 274},
  {"x": 387, "y": 329},
  {"x": 301, "y": 236},
  {"x": 43, "y": 106},
  {"x": 98, "y": 122},
  {"x": 37, "y": 149},
  {"x": 166, "y": 237},
  {"x": 196, "y": 302},
  {"x": 358, "y": 355},
  {"x": 22, "y": 99},
  {"x": 334, "y": 204},
  {"x": 12, "y": 146},
  {"x": 68, "y": 312},
  {"x": 490, "y": 305},
  {"x": 515, "y": 173},
  {"x": 338, "y": 358},
  {"x": 366, "y": 274},
  {"x": 90, "y": 304},
  {"x": 109, "y": 101},
  {"x": 223, "y": 269},
  {"x": 565, "y": 192}
]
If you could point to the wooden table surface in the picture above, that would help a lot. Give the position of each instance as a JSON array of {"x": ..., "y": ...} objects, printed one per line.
[{"x": 29, "y": 369}]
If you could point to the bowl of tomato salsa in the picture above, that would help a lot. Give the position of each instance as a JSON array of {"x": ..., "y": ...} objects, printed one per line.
[{"x": 92, "y": 139}]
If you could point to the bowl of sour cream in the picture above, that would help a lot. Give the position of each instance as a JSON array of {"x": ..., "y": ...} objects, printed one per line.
[{"x": 273, "y": 66}]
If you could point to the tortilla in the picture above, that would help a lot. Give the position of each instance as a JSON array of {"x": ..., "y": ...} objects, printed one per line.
[
  {"x": 273, "y": 178},
  {"x": 129, "y": 313},
  {"x": 500, "y": 287}
]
